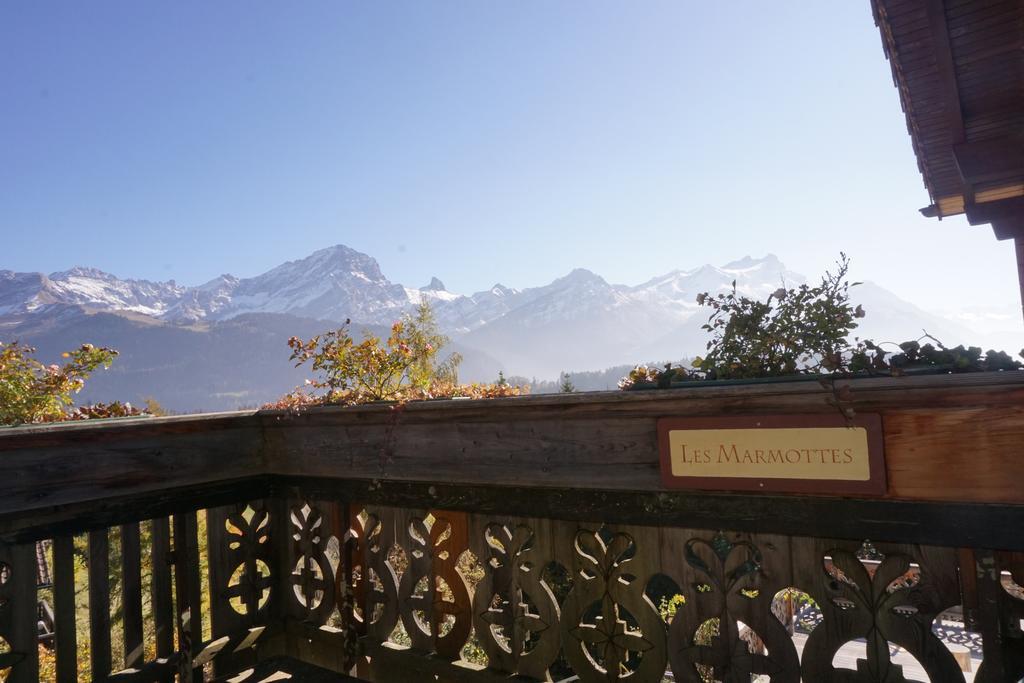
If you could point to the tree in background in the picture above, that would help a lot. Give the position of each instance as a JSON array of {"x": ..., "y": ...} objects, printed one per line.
[{"x": 565, "y": 384}]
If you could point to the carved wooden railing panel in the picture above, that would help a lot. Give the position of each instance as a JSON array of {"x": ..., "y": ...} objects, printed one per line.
[
  {"x": 148, "y": 602},
  {"x": 547, "y": 599},
  {"x": 396, "y": 594}
]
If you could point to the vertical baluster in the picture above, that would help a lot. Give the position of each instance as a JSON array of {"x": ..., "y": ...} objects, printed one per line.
[
  {"x": 99, "y": 603},
  {"x": 223, "y": 618},
  {"x": 968, "y": 588},
  {"x": 64, "y": 609},
  {"x": 282, "y": 603},
  {"x": 163, "y": 607},
  {"x": 186, "y": 578},
  {"x": 19, "y": 611},
  {"x": 131, "y": 594},
  {"x": 990, "y": 597}
]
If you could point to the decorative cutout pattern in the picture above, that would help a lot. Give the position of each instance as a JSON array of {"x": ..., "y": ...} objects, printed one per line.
[
  {"x": 433, "y": 597},
  {"x": 728, "y": 575},
  {"x": 363, "y": 577},
  {"x": 610, "y": 630},
  {"x": 248, "y": 536},
  {"x": 884, "y": 602},
  {"x": 515, "y": 613},
  {"x": 311, "y": 577},
  {"x": 379, "y": 584}
]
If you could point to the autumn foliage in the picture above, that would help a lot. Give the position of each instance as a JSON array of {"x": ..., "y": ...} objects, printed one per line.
[
  {"x": 407, "y": 366},
  {"x": 33, "y": 392}
]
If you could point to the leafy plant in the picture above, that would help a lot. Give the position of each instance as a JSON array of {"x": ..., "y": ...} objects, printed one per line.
[
  {"x": 793, "y": 331},
  {"x": 100, "y": 411},
  {"x": 372, "y": 370},
  {"x": 668, "y": 606},
  {"x": 405, "y": 366},
  {"x": 805, "y": 331},
  {"x": 33, "y": 392},
  {"x": 645, "y": 375},
  {"x": 869, "y": 357}
]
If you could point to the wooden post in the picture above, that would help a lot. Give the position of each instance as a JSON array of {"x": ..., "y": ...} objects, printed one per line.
[
  {"x": 186, "y": 579},
  {"x": 1019, "y": 242},
  {"x": 99, "y": 603},
  {"x": 21, "y": 610},
  {"x": 131, "y": 594},
  {"x": 64, "y": 609},
  {"x": 163, "y": 606}
]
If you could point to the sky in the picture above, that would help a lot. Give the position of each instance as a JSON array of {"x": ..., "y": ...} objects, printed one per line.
[{"x": 481, "y": 142}]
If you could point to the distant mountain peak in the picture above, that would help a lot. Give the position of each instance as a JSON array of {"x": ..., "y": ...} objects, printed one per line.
[
  {"x": 340, "y": 258},
  {"x": 501, "y": 290},
  {"x": 582, "y": 275},
  {"x": 748, "y": 262},
  {"x": 435, "y": 286},
  {"x": 82, "y": 271}
]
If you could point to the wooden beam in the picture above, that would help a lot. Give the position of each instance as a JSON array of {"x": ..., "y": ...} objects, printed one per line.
[
  {"x": 945, "y": 524},
  {"x": 32, "y": 525},
  {"x": 52, "y": 466},
  {"x": 990, "y": 161},
  {"x": 945, "y": 69},
  {"x": 1009, "y": 228},
  {"x": 992, "y": 212},
  {"x": 1020, "y": 268},
  {"x": 609, "y": 440}
]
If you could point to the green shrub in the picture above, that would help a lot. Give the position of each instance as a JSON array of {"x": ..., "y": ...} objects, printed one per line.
[
  {"x": 372, "y": 370},
  {"x": 806, "y": 330},
  {"x": 800, "y": 330},
  {"x": 405, "y": 366},
  {"x": 33, "y": 392}
]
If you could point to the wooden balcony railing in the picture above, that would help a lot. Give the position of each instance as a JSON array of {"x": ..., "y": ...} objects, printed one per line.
[{"x": 529, "y": 537}]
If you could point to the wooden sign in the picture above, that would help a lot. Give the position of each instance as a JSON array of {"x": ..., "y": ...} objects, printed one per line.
[{"x": 793, "y": 453}]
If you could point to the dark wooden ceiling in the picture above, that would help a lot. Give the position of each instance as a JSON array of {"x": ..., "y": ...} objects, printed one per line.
[{"x": 959, "y": 69}]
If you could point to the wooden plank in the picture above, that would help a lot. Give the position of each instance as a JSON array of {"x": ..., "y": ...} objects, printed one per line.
[
  {"x": 66, "y": 649},
  {"x": 188, "y": 592},
  {"x": 134, "y": 454},
  {"x": 121, "y": 458},
  {"x": 578, "y": 446},
  {"x": 88, "y": 515},
  {"x": 991, "y": 160},
  {"x": 1019, "y": 248},
  {"x": 956, "y": 455},
  {"x": 20, "y": 614},
  {"x": 163, "y": 606},
  {"x": 99, "y": 603},
  {"x": 223, "y": 618},
  {"x": 941, "y": 524},
  {"x": 131, "y": 594}
]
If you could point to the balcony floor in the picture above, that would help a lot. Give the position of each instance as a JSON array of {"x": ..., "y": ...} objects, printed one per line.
[{"x": 286, "y": 669}]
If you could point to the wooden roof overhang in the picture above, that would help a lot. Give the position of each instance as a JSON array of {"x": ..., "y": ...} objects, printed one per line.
[{"x": 959, "y": 69}]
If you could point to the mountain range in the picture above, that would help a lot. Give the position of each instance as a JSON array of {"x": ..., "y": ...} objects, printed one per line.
[{"x": 222, "y": 344}]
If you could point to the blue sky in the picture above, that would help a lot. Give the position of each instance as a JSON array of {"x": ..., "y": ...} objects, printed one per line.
[{"x": 478, "y": 141}]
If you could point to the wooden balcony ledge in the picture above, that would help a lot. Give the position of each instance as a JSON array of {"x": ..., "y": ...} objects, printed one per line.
[{"x": 530, "y": 537}]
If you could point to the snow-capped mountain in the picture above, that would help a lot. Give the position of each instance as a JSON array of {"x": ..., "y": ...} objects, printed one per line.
[
  {"x": 27, "y": 292},
  {"x": 338, "y": 283},
  {"x": 331, "y": 284},
  {"x": 577, "y": 322}
]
